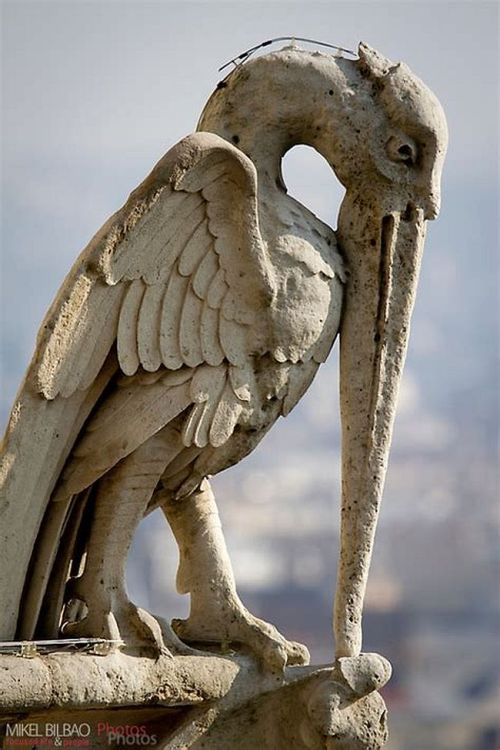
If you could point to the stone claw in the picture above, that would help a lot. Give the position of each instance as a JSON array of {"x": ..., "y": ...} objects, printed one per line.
[
  {"x": 107, "y": 613},
  {"x": 241, "y": 627},
  {"x": 128, "y": 623}
]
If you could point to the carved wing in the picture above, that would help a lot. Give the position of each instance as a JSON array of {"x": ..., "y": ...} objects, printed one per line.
[
  {"x": 175, "y": 279},
  {"x": 174, "y": 282}
]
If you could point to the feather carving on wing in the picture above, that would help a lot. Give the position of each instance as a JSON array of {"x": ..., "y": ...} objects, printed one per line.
[{"x": 176, "y": 279}]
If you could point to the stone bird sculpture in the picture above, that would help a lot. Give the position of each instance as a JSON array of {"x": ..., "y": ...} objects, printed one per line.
[{"x": 197, "y": 316}]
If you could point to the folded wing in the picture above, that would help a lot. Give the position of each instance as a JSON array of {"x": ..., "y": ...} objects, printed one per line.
[{"x": 175, "y": 282}]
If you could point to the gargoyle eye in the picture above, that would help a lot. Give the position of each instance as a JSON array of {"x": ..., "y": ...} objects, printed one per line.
[{"x": 402, "y": 150}]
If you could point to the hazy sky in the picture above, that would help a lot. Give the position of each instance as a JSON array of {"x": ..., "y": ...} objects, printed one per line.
[{"x": 94, "y": 93}]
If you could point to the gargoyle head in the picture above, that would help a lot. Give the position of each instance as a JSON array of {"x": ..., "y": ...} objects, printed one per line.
[
  {"x": 374, "y": 121},
  {"x": 404, "y": 139}
]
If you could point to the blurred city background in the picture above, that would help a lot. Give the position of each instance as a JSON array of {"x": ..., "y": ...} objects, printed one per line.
[{"x": 93, "y": 94}]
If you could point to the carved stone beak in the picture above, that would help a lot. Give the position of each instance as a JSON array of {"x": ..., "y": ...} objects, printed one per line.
[{"x": 383, "y": 249}]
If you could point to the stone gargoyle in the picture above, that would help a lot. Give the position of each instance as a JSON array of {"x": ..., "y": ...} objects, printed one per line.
[{"x": 199, "y": 314}]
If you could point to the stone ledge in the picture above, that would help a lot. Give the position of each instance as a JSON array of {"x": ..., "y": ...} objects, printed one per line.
[
  {"x": 85, "y": 681},
  {"x": 207, "y": 701}
]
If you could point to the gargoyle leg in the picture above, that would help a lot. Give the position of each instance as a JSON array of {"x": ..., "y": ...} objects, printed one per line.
[
  {"x": 205, "y": 571},
  {"x": 121, "y": 500}
]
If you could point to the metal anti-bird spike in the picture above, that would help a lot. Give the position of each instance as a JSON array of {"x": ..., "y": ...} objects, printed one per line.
[
  {"x": 197, "y": 316},
  {"x": 247, "y": 53}
]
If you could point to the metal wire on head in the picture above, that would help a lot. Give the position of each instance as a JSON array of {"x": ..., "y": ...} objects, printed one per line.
[{"x": 245, "y": 55}]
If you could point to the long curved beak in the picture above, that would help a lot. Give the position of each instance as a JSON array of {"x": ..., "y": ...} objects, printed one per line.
[{"x": 383, "y": 250}]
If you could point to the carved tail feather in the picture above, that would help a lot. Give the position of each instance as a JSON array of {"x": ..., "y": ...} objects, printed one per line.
[
  {"x": 43, "y": 620},
  {"x": 40, "y": 435},
  {"x": 59, "y": 525}
]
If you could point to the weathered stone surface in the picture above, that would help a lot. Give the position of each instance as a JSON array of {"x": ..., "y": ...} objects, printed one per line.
[
  {"x": 197, "y": 316},
  {"x": 203, "y": 701}
]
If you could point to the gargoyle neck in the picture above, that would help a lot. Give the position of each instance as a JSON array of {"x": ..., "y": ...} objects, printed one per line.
[
  {"x": 266, "y": 149},
  {"x": 266, "y": 142},
  {"x": 276, "y": 102}
]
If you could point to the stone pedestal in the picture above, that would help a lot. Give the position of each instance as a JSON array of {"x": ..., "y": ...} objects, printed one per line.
[{"x": 209, "y": 701}]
